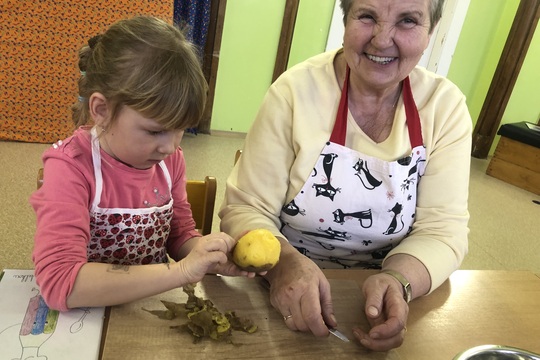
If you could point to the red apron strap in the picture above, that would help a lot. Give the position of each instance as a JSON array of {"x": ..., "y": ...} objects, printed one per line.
[
  {"x": 339, "y": 132},
  {"x": 413, "y": 118}
]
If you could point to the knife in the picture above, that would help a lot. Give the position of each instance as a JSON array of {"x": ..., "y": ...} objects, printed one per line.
[
  {"x": 338, "y": 334},
  {"x": 332, "y": 331}
]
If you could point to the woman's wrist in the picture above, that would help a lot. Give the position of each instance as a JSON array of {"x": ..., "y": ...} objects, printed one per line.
[
  {"x": 412, "y": 270},
  {"x": 287, "y": 259},
  {"x": 405, "y": 284}
]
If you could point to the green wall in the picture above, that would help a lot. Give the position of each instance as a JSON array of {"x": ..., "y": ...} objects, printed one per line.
[
  {"x": 477, "y": 54},
  {"x": 251, "y": 35},
  {"x": 524, "y": 104},
  {"x": 311, "y": 30},
  {"x": 246, "y": 63},
  {"x": 479, "y": 47},
  {"x": 248, "y": 52}
]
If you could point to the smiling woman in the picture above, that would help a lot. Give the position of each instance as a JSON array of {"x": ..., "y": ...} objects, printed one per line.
[
  {"x": 361, "y": 141},
  {"x": 438, "y": 55}
]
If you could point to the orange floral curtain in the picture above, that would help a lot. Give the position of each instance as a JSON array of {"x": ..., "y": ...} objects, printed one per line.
[{"x": 39, "y": 45}]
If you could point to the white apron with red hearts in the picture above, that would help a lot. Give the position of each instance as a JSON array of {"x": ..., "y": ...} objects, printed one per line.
[{"x": 127, "y": 236}]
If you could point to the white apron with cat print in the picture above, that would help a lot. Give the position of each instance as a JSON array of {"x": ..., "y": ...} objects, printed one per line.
[
  {"x": 355, "y": 208},
  {"x": 127, "y": 236}
]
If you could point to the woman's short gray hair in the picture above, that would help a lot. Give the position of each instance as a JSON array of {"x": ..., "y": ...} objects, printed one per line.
[{"x": 435, "y": 11}]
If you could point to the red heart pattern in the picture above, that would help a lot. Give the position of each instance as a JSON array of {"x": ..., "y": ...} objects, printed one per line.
[{"x": 128, "y": 239}]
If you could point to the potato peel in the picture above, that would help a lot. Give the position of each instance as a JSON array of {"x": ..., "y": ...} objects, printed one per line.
[{"x": 204, "y": 319}]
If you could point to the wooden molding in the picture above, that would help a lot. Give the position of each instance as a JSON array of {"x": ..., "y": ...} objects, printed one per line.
[
  {"x": 210, "y": 39},
  {"x": 211, "y": 59},
  {"x": 285, "y": 39},
  {"x": 505, "y": 77}
]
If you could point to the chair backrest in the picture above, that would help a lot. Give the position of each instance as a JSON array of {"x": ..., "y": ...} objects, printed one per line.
[
  {"x": 201, "y": 196},
  {"x": 39, "y": 178},
  {"x": 237, "y": 156}
]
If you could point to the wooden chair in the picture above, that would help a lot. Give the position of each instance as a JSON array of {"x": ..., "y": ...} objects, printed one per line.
[
  {"x": 40, "y": 178},
  {"x": 201, "y": 196},
  {"x": 237, "y": 156}
]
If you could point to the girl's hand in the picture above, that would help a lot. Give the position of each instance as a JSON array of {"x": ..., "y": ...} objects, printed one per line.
[
  {"x": 231, "y": 269},
  {"x": 209, "y": 252}
]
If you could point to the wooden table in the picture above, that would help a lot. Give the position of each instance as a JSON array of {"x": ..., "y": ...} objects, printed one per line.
[{"x": 472, "y": 308}]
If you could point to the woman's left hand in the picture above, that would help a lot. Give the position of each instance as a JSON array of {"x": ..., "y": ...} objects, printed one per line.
[{"x": 386, "y": 311}]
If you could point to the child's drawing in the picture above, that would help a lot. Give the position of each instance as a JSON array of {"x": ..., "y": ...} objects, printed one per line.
[
  {"x": 78, "y": 325},
  {"x": 31, "y": 330},
  {"x": 38, "y": 326}
]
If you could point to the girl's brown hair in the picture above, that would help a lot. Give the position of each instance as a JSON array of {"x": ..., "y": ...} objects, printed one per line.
[{"x": 148, "y": 65}]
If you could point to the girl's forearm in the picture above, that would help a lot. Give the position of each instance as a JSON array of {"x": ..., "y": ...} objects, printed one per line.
[{"x": 100, "y": 284}]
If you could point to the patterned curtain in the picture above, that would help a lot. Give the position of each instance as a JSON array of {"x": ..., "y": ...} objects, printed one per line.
[
  {"x": 39, "y": 41},
  {"x": 195, "y": 16}
]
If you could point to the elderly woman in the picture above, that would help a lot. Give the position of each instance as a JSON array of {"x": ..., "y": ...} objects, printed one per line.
[{"x": 359, "y": 158}]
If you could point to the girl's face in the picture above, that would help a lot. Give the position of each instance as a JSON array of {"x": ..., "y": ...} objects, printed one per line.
[
  {"x": 138, "y": 141},
  {"x": 385, "y": 39}
]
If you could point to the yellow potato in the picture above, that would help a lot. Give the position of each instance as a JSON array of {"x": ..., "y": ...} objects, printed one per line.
[{"x": 257, "y": 251}]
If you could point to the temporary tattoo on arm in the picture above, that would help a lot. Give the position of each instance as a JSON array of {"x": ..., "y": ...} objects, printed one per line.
[{"x": 120, "y": 269}]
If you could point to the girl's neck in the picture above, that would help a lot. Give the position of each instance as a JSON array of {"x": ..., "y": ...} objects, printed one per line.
[{"x": 104, "y": 145}]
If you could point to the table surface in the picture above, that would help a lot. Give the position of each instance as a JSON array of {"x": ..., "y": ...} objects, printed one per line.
[{"x": 474, "y": 307}]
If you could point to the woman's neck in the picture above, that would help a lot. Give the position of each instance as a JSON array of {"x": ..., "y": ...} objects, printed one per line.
[{"x": 372, "y": 109}]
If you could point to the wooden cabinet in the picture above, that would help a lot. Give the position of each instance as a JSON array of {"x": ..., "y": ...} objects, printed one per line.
[{"x": 517, "y": 157}]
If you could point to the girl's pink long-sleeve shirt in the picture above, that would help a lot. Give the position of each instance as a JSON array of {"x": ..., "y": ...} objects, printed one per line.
[{"x": 62, "y": 207}]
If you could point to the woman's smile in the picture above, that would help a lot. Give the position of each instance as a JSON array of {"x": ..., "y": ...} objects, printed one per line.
[{"x": 381, "y": 60}]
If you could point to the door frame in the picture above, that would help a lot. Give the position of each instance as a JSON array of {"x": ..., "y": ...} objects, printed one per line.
[
  {"x": 211, "y": 59},
  {"x": 505, "y": 77}
]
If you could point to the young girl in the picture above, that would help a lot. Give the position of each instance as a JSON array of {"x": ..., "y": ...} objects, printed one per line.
[{"x": 113, "y": 204}]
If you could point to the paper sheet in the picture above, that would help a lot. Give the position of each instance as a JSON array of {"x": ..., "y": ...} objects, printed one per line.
[
  {"x": 30, "y": 330},
  {"x": 533, "y": 127}
]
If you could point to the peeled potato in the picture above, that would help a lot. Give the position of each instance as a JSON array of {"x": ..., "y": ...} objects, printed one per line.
[{"x": 257, "y": 251}]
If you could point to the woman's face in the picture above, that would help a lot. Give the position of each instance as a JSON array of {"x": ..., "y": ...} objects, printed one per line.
[{"x": 385, "y": 39}]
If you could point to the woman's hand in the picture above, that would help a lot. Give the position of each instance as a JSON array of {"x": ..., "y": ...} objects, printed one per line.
[
  {"x": 386, "y": 311},
  {"x": 301, "y": 293}
]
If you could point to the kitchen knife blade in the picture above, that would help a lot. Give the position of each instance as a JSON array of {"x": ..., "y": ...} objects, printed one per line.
[{"x": 338, "y": 334}]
